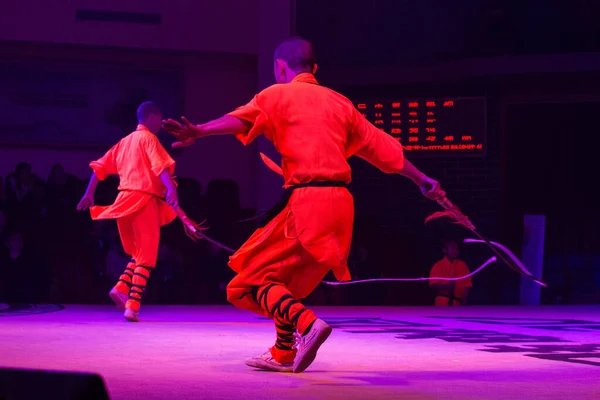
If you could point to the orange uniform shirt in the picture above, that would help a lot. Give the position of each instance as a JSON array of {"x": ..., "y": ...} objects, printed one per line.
[
  {"x": 138, "y": 159},
  {"x": 450, "y": 269},
  {"x": 316, "y": 130}
]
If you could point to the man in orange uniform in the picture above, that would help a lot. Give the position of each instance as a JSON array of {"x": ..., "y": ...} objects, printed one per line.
[
  {"x": 309, "y": 232},
  {"x": 450, "y": 293},
  {"x": 145, "y": 170}
]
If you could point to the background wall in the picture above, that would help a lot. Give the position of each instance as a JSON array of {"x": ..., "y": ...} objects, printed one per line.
[
  {"x": 210, "y": 26},
  {"x": 213, "y": 84}
]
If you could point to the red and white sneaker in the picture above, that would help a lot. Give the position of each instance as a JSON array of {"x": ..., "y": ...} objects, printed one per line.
[
  {"x": 266, "y": 362},
  {"x": 131, "y": 316},
  {"x": 309, "y": 344},
  {"x": 118, "y": 298}
]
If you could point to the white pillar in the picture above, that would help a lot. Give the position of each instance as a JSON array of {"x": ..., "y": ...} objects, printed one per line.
[{"x": 533, "y": 258}]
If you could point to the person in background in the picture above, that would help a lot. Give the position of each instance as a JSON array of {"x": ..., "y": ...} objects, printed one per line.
[
  {"x": 450, "y": 293},
  {"x": 10, "y": 190},
  {"x": 145, "y": 170},
  {"x": 57, "y": 175},
  {"x": 61, "y": 221},
  {"x": 60, "y": 189},
  {"x": 25, "y": 180}
]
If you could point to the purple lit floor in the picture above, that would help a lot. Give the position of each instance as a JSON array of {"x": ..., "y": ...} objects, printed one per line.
[{"x": 373, "y": 353}]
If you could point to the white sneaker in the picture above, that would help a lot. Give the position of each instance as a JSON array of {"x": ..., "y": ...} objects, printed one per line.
[
  {"x": 309, "y": 344},
  {"x": 131, "y": 316},
  {"x": 118, "y": 298},
  {"x": 266, "y": 361}
]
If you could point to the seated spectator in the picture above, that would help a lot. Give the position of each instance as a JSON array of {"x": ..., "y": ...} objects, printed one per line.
[
  {"x": 24, "y": 181},
  {"x": 450, "y": 293}
]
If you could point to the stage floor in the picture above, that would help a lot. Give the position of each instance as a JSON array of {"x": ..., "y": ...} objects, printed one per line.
[{"x": 373, "y": 353}]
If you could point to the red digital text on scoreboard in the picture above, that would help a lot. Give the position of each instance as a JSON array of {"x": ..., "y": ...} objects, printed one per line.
[
  {"x": 430, "y": 125},
  {"x": 446, "y": 147}
]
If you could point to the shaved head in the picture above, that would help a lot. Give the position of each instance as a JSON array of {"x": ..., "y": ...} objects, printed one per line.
[
  {"x": 149, "y": 115},
  {"x": 147, "y": 109},
  {"x": 298, "y": 53}
]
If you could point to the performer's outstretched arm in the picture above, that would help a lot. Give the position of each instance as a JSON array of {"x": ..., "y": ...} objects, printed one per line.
[
  {"x": 223, "y": 126},
  {"x": 412, "y": 173},
  {"x": 88, "y": 198},
  {"x": 102, "y": 168},
  {"x": 186, "y": 133},
  {"x": 245, "y": 122}
]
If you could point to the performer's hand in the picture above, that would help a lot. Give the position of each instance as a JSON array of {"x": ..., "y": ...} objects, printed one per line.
[
  {"x": 184, "y": 143},
  {"x": 172, "y": 198},
  {"x": 185, "y": 132},
  {"x": 86, "y": 202},
  {"x": 431, "y": 188}
]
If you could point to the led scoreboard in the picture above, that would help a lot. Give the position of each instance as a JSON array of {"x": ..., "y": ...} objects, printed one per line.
[{"x": 431, "y": 126}]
